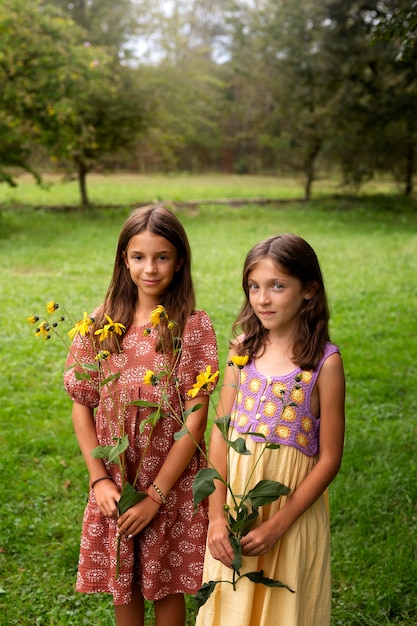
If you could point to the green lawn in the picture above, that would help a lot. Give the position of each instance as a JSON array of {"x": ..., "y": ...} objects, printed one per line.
[
  {"x": 127, "y": 189},
  {"x": 367, "y": 249}
]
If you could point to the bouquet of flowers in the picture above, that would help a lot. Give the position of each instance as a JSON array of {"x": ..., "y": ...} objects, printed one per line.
[{"x": 241, "y": 517}]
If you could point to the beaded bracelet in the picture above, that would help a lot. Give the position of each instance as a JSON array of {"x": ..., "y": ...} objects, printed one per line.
[
  {"x": 159, "y": 492},
  {"x": 99, "y": 479}
]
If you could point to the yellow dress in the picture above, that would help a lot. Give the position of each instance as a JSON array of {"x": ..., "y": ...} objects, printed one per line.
[{"x": 300, "y": 559}]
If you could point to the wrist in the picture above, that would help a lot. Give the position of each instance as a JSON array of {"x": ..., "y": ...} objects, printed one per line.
[
  {"x": 93, "y": 483},
  {"x": 150, "y": 494},
  {"x": 157, "y": 494}
]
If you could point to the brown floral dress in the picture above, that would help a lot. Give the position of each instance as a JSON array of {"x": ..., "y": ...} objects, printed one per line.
[{"x": 167, "y": 556}]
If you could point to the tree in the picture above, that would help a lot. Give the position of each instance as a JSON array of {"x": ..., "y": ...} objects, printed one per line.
[
  {"x": 60, "y": 91},
  {"x": 39, "y": 51},
  {"x": 398, "y": 23},
  {"x": 183, "y": 85},
  {"x": 375, "y": 108},
  {"x": 109, "y": 25}
]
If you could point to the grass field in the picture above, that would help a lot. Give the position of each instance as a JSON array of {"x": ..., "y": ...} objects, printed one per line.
[
  {"x": 127, "y": 189},
  {"x": 367, "y": 249}
]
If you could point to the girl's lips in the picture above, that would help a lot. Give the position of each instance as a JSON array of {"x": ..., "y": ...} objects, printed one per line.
[{"x": 150, "y": 282}]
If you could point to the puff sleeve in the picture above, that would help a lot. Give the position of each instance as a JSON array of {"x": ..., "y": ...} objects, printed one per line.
[
  {"x": 199, "y": 349},
  {"x": 84, "y": 391}
]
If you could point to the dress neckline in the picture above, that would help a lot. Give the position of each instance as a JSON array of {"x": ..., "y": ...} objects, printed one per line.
[{"x": 273, "y": 376}]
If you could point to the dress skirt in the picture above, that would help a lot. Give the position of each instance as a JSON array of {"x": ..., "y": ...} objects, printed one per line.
[{"x": 300, "y": 559}]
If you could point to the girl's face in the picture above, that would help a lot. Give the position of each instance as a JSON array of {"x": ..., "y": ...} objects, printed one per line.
[
  {"x": 275, "y": 296},
  {"x": 152, "y": 262}
]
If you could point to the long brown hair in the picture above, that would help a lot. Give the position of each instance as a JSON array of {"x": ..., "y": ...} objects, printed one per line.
[
  {"x": 122, "y": 295},
  {"x": 297, "y": 258}
]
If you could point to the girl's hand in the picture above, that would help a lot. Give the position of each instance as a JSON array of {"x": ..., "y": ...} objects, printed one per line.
[
  {"x": 137, "y": 517},
  {"x": 260, "y": 539},
  {"x": 107, "y": 496},
  {"x": 219, "y": 542}
]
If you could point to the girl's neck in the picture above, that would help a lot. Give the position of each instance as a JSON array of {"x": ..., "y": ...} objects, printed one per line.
[
  {"x": 143, "y": 312},
  {"x": 277, "y": 357}
]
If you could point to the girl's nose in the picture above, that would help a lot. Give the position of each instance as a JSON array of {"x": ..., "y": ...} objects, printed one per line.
[
  {"x": 264, "y": 296},
  {"x": 150, "y": 266}
]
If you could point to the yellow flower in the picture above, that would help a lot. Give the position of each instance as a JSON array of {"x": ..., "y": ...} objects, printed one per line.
[
  {"x": 82, "y": 327},
  {"x": 43, "y": 330},
  {"x": 150, "y": 378},
  {"x": 239, "y": 361},
  {"x": 157, "y": 315},
  {"x": 102, "y": 355},
  {"x": 52, "y": 306},
  {"x": 111, "y": 327},
  {"x": 203, "y": 381},
  {"x": 33, "y": 319},
  {"x": 147, "y": 332}
]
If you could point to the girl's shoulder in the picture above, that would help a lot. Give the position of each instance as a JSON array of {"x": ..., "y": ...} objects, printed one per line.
[
  {"x": 199, "y": 325},
  {"x": 236, "y": 343},
  {"x": 329, "y": 349},
  {"x": 198, "y": 318}
]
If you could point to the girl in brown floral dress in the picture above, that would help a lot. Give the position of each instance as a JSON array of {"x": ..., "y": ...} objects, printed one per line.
[{"x": 161, "y": 539}]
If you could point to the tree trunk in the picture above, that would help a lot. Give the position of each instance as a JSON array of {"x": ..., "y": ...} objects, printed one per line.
[
  {"x": 82, "y": 182},
  {"x": 309, "y": 167},
  {"x": 409, "y": 168}
]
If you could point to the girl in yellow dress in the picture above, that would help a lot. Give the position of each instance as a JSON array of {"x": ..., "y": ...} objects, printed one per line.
[{"x": 291, "y": 391}]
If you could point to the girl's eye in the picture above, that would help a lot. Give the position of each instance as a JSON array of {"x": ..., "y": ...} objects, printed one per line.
[
  {"x": 278, "y": 286},
  {"x": 252, "y": 286}
]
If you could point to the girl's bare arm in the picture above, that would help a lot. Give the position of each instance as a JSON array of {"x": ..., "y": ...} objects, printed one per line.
[
  {"x": 106, "y": 492},
  {"x": 218, "y": 536},
  {"x": 180, "y": 454}
]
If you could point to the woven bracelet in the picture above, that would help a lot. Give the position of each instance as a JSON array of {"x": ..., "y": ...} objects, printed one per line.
[{"x": 99, "y": 479}]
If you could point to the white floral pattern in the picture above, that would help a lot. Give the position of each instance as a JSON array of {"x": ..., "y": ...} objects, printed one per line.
[{"x": 167, "y": 557}]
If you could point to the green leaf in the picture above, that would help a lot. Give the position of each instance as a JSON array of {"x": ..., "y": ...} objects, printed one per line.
[
  {"x": 90, "y": 367},
  {"x": 244, "y": 521},
  {"x": 194, "y": 408},
  {"x": 180, "y": 434},
  {"x": 129, "y": 497},
  {"x": 237, "y": 551},
  {"x": 108, "y": 380},
  {"x": 239, "y": 445},
  {"x": 223, "y": 424},
  {"x": 204, "y": 593},
  {"x": 203, "y": 484},
  {"x": 258, "y": 577},
  {"x": 101, "y": 452},
  {"x": 152, "y": 419},
  {"x": 82, "y": 375},
  {"x": 266, "y": 491},
  {"x": 118, "y": 449},
  {"x": 144, "y": 403},
  {"x": 272, "y": 446}
]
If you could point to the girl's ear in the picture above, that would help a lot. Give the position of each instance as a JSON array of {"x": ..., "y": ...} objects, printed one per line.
[
  {"x": 310, "y": 291},
  {"x": 124, "y": 256}
]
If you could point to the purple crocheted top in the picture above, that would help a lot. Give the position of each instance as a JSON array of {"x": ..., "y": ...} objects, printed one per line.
[{"x": 278, "y": 407}]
